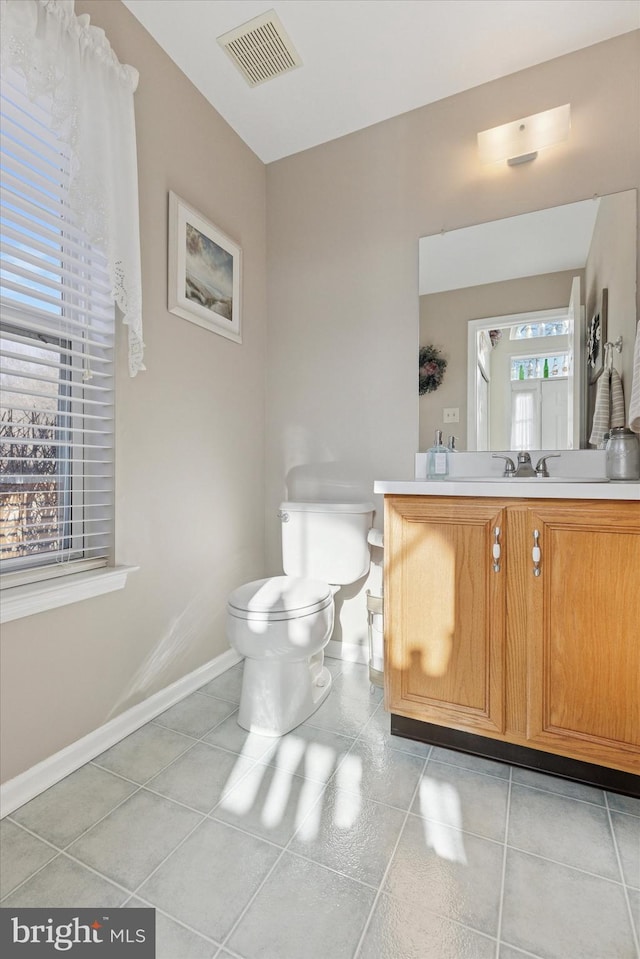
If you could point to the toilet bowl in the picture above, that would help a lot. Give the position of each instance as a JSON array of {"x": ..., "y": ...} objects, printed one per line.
[{"x": 282, "y": 624}]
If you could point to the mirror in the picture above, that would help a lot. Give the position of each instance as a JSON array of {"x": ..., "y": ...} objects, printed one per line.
[{"x": 499, "y": 299}]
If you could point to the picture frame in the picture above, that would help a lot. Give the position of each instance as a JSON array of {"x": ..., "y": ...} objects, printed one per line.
[
  {"x": 596, "y": 338},
  {"x": 204, "y": 282}
]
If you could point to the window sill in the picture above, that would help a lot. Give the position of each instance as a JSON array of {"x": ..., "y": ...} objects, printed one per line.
[{"x": 22, "y": 601}]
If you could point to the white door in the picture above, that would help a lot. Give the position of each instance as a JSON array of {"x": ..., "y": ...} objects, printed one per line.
[
  {"x": 553, "y": 414},
  {"x": 574, "y": 366}
]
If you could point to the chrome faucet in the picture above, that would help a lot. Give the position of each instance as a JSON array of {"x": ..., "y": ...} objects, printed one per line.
[
  {"x": 509, "y": 466},
  {"x": 524, "y": 467},
  {"x": 541, "y": 465}
]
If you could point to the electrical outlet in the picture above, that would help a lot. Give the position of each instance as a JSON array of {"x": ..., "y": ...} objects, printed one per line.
[{"x": 451, "y": 415}]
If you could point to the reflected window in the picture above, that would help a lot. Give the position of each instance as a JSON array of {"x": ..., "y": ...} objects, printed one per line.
[
  {"x": 527, "y": 331},
  {"x": 525, "y": 420},
  {"x": 547, "y": 366}
]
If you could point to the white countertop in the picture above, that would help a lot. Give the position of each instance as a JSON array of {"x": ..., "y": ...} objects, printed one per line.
[
  {"x": 481, "y": 474},
  {"x": 521, "y": 489}
]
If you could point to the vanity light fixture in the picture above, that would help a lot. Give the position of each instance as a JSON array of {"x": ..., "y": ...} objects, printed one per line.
[{"x": 519, "y": 141}]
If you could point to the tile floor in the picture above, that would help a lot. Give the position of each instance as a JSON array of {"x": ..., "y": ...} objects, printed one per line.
[{"x": 336, "y": 841}]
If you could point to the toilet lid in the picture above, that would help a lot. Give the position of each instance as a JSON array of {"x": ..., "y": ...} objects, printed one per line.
[{"x": 279, "y": 597}]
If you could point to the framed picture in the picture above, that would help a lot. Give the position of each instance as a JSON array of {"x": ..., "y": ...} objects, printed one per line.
[
  {"x": 204, "y": 272},
  {"x": 596, "y": 338}
]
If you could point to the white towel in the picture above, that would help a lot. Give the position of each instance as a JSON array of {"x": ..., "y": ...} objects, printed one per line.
[
  {"x": 609, "y": 411},
  {"x": 634, "y": 406},
  {"x": 602, "y": 412},
  {"x": 617, "y": 400}
]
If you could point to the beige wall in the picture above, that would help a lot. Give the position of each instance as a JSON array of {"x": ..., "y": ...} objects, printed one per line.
[
  {"x": 343, "y": 228},
  {"x": 190, "y": 448},
  {"x": 444, "y": 319}
]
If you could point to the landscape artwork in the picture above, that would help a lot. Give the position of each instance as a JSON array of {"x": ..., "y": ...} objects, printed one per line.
[
  {"x": 209, "y": 273},
  {"x": 204, "y": 272}
]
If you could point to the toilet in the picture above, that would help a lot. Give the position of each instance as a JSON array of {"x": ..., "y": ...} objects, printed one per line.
[{"x": 282, "y": 624}]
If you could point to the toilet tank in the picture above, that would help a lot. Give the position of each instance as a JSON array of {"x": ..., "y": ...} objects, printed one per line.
[{"x": 326, "y": 541}]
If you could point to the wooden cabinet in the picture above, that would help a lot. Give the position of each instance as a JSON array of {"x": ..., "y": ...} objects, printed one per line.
[
  {"x": 550, "y": 662},
  {"x": 583, "y": 632},
  {"x": 444, "y": 612}
]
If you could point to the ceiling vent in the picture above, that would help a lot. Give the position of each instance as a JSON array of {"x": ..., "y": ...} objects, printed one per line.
[{"x": 261, "y": 49}]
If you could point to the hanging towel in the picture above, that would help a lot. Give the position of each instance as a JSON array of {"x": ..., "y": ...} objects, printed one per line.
[
  {"x": 602, "y": 412},
  {"x": 634, "y": 406},
  {"x": 617, "y": 400}
]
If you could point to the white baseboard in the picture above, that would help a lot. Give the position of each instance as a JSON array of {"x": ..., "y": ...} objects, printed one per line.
[
  {"x": 348, "y": 652},
  {"x": 15, "y": 792}
]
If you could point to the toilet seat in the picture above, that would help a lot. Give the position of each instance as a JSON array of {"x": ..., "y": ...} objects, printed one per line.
[{"x": 279, "y": 598}]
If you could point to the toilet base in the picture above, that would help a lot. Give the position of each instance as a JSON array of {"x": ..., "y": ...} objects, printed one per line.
[{"x": 277, "y": 696}]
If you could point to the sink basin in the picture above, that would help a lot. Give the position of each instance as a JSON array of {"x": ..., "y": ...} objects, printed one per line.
[{"x": 528, "y": 479}]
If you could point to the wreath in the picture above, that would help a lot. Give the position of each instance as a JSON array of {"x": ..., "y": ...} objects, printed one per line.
[{"x": 431, "y": 367}]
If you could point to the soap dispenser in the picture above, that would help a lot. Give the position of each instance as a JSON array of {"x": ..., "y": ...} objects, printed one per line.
[{"x": 438, "y": 459}]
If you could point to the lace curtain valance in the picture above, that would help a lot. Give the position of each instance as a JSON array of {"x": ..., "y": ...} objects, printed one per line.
[{"x": 90, "y": 95}]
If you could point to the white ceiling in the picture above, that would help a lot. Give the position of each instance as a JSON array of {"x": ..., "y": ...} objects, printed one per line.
[{"x": 367, "y": 60}]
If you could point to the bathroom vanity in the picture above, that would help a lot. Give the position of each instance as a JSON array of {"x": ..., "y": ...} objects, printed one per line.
[{"x": 512, "y": 622}]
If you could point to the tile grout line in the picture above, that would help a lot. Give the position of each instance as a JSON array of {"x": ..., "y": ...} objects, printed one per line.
[
  {"x": 519, "y": 951},
  {"x": 169, "y": 854},
  {"x": 285, "y": 849},
  {"x": 634, "y": 931},
  {"x": 459, "y": 829},
  {"x": 504, "y": 865},
  {"x": 566, "y": 865},
  {"x": 62, "y": 849},
  {"x": 179, "y": 922},
  {"x": 388, "y": 866},
  {"x": 551, "y": 792},
  {"x": 409, "y": 814},
  {"x": 192, "y": 742},
  {"x": 67, "y": 855},
  {"x": 323, "y": 865},
  {"x": 208, "y": 816},
  {"x": 33, "y": 874},
  {"x": 252, "y": 898}
]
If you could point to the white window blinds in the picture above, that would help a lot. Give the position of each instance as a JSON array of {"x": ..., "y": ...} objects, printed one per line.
[{"x": 56, "y": 355}]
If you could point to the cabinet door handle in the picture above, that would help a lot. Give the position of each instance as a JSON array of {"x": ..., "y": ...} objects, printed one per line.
[
  {"x": 495, "y": 552},
  {"x": 535, "y": 553}
]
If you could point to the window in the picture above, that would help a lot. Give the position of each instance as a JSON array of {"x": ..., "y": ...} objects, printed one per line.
[
  {"x": 56, "y": 352},
  {"x": 526, "y": 331},
  {"x": 525, "y": 419},
  {"x": 545, "y": 366}
]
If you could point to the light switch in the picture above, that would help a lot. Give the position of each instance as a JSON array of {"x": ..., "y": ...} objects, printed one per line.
[{"x": 451, "y": 415}]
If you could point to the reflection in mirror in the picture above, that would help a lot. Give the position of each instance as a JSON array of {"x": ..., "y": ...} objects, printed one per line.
[
  {"x": 524, "y": 387},
  {"x": 486, "y": 291}
]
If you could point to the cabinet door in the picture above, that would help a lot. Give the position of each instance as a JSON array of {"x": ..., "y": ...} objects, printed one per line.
[
  {"x": 444, "y": 612},
  {"x": 583, "y": 631}
]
